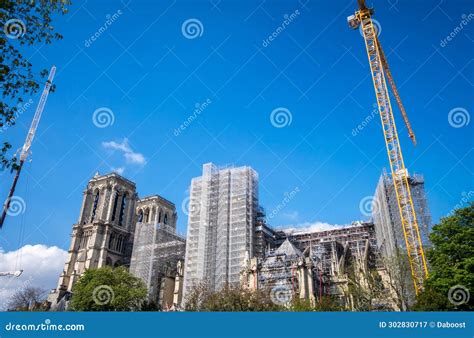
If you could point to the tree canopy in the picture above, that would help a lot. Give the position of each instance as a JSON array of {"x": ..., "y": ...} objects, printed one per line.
[
  {"x": 108, "y": 289},
  {"x": 24, "y": 297},
  {"x": 451, "y": 260},
  {"x": 27, "y": 25}
]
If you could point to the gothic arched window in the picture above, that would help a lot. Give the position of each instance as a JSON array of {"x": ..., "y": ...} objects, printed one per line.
[
  {"x": 94, "y": 207},
  {"x": 114, "y": 209},
  {"x": 122, "y": 209},
  {"x": 111, "y": 240},
  {"x": 159, "y": 217},
  {"x": 147, "y": 215},
  {"x": 140, "y": 216},
  {"x": 165, "y": 219}
]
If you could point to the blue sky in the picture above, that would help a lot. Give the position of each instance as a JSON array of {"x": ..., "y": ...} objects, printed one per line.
[{"x": 151, "y": 76}]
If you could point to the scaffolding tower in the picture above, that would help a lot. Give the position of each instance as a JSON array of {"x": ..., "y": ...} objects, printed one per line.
[{"x": 156, "y": 252}]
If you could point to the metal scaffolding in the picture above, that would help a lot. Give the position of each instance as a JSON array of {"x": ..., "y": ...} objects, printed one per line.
[
  {"x": 387, "y": 218},
  {"x": 334, "y": 252},
  {"x": 156, "y": 252},
  {"x": 221, "y": 225},
  {"x": 278, "y": 269}
]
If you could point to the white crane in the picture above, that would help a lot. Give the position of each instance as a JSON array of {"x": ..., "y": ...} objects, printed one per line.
[
  {"x": 11, "y": 273},
  {"x": 29, "y": 139}
]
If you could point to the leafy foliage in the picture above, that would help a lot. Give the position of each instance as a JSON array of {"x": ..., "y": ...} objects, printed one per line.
[
  {"x": 325, "y": 304},
  {"x": 25, "y": 24},
  {"x": 107, "y": 289},
  {"x": 236, "y": 298},
  {"x": 229, "y": 298},
  {"x": 451, "y": 262}
]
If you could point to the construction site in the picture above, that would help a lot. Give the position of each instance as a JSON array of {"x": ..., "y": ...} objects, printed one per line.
[
  {"x": 229, "y": 241},
  {"x": 314, "y": 264},
  {"x": 158, "y": 251}
]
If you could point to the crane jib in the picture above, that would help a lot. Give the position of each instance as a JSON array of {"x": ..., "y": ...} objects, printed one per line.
[{"x": 380, "y": 72}]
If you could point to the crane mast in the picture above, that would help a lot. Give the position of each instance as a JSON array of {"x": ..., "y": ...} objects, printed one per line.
[
  {"x": 29, "y": 139},
  {"x": 380, "y": 71}
]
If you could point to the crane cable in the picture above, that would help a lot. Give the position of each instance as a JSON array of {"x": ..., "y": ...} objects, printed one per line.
[
  {"x": 21, "y": 236},
  {"x": 389, "y": 76}
]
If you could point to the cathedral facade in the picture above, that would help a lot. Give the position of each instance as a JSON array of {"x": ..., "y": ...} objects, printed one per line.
[{"x": 105, "y": 231}]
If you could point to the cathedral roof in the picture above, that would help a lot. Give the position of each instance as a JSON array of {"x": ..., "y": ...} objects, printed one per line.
[{"x": 287, "y": 248}]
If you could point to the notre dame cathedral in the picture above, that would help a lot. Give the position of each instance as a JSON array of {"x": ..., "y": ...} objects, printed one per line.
[{"x": 105, "y": 236}]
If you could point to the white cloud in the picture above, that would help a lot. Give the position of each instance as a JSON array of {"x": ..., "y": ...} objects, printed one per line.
[
  {"x": 129, "y": 155},
  {"x": 119, "y": 170},
  {"x": 311, "y": 227},
  {"x": 124, "y": 146},
  {"x": 136, "y": 158},
  {"x": 41, "y": 267}
]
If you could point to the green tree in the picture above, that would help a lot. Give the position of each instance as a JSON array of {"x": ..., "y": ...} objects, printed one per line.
[
  {"x": 24, "y": 24},
  {"x": 451, "y": 261},
  {"x": 107, "y": 289},
  {"x": 229, "y": 298},
  {"x": 325, "y": 304}
]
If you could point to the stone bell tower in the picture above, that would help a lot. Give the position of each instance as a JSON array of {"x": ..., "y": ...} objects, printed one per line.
[{"x": 104, "y": 232}]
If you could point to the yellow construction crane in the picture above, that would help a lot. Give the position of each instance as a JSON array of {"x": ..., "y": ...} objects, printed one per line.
[{"x": 380, "y": 72}]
